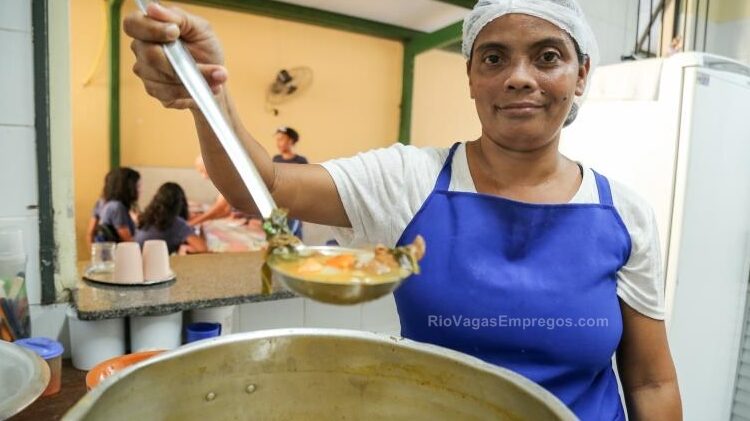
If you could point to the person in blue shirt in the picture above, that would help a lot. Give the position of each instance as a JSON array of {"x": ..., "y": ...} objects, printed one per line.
[
  {"x": 112, "y": 218},
  {"x": 165, "y": 218},
  {"x": 91, "y": 229},
  {"x": 286, "y": 140}
]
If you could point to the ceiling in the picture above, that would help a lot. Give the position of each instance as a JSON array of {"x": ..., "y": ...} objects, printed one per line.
[{"x": 420, "y": 15}]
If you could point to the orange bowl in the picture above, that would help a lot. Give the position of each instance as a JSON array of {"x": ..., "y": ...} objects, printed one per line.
[{"x": 113, "y": 365}]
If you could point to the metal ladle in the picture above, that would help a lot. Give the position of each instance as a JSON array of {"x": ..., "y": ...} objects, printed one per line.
[{"x": 334, "y": 293}]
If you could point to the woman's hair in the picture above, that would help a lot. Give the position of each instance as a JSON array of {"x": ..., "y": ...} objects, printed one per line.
[
  {"x": 573, "y": 114},
  {"x": 121, "y": 184},
  {"x": 168, "y": 203}
]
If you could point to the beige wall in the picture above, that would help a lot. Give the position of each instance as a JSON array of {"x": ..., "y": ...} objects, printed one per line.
[
  {"x": 729, "y": 29},
  {"x": 443, "y": 112},
  {"x": 89, "y": 104},
  {"x": 353, "y": 104},
  {"x": 729, "y": 10}
]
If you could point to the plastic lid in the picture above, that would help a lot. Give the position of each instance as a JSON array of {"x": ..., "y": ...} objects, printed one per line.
[{"x": 44, "y": 347}]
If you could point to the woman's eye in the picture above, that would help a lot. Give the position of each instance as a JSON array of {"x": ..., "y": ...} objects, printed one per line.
[
  {"x": 492, "y": 59},
  {"x": 550, "y": 57}
]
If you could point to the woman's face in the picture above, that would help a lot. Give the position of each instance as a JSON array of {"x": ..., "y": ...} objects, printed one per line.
[{"x": 523, "y": 76}]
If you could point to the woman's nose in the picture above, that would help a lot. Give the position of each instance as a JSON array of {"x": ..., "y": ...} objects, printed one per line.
[{"x": 520, "y": 77}]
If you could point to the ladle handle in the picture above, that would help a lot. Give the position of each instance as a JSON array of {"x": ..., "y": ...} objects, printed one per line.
[{"x": 187, "y": 70}]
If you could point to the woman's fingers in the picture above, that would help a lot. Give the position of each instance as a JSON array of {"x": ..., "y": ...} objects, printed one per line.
[
  {"x": 161, "y": 25},
  {"x": 165, "y": 24},
  {"x": 144, "y": 28},
  {"x": 150, "y": 57},
  {"x": 170, "y": 92},
  {"x": 151, "y": 62}
]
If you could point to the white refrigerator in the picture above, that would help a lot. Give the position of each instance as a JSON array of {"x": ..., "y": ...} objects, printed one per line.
[{"x": 677, "y": 131}]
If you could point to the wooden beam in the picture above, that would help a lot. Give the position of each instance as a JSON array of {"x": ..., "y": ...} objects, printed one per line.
[
  {"x": 669, "y": 28},
  {"x": 407, "y": 93},
  {"x": 466, "y": 4},
  {"x": 115, "y": 11},
  {"x": 447, "y": 36},
  {"x": 312, "y": 16},
  {"x": 47, "y": 249}
]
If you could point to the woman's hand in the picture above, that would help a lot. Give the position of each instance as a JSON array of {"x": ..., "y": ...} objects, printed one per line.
[
  {"x": 164, "y": 25},
  {"x": 124, "y": 233},
  {"x": 647, "y": 373},
  {"x": 194, "y": 244}
]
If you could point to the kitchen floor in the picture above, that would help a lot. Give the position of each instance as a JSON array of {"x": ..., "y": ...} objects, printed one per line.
[{"x": 55, "y": 406}]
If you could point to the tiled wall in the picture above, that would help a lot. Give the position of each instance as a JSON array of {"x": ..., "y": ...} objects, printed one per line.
[
  {"x": 614, "y": 24},
  {"x": 18, "y": 182},
  {"x": 378, "y": 316}
]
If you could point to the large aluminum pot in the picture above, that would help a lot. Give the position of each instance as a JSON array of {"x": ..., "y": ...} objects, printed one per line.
[{"x": 316, "y": 374}]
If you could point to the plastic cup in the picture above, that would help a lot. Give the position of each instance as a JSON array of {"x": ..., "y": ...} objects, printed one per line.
[
  {"x": 128, "y": 263},
  {"x": 103, "y": 256},
  {"x": 156, "y": 260},
  {"x": 199, "y": 331},
  {"x": 51, "y": 351}
]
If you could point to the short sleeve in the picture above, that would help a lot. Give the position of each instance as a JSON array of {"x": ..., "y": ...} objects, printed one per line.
[
  {"x": 116, "y": 214},
  {"x": 640, "y": 282},
  {"x": 382, "y": 190},
  {"x": 182, "y": 230},
  {"x": 96, "y": 211}
]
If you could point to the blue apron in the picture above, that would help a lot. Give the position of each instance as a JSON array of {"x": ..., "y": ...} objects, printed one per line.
[{"x": 528, "y": 287}]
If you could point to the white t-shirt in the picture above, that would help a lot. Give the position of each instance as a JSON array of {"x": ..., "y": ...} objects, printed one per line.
[{"x": 383, "y": 189}]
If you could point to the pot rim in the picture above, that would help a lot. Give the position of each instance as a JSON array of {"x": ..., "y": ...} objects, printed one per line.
[{"x": 551, "y": 401}]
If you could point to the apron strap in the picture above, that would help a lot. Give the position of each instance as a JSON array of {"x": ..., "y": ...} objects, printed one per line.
[
  {"x": 605, "y": 192},
  {"x": 444, "y": 178}
]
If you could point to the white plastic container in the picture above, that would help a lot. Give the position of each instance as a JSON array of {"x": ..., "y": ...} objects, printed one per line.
[
  {"x": 92, "y": 342},
  {"x": 221, "y": 315},
  {"x": 155, "y": 332}
]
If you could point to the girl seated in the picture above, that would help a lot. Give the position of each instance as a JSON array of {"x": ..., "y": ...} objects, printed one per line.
[
  {"x": 112, "y": 218},
  {"x": 165, "y": 219}
]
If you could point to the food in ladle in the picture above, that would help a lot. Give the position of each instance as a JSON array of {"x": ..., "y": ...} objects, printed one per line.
[{"x": 335, "y": 265}]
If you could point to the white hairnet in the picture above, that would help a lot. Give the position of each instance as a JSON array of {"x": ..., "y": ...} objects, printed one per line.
[{"x": 565, "y": 14}]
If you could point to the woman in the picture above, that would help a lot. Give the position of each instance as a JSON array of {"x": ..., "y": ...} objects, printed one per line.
[
  {"x": 165, "y": 219},
  {"x": 534, "y": 262},
  {"x": 111, "y": 219},
  {"x": 95, "y": 213}
]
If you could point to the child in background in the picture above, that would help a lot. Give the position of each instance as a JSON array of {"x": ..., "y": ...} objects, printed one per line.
[
  {"x": 96, "y": 212},
  {"x": 286, "y": 140},
  {"x": 165, "y": 219},
  {"x": 111, "y": 219}
]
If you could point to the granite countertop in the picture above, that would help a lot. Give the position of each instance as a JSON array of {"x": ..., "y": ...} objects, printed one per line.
[{"x": 203, "y": 280}]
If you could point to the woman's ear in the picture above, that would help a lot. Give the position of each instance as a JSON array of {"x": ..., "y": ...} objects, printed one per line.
[
  {"x": 468, "y": 73},
  {"x": 583, "y": 73}
]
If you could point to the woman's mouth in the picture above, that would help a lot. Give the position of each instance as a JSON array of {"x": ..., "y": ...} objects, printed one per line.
[{"x": 519, "y": 109}]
